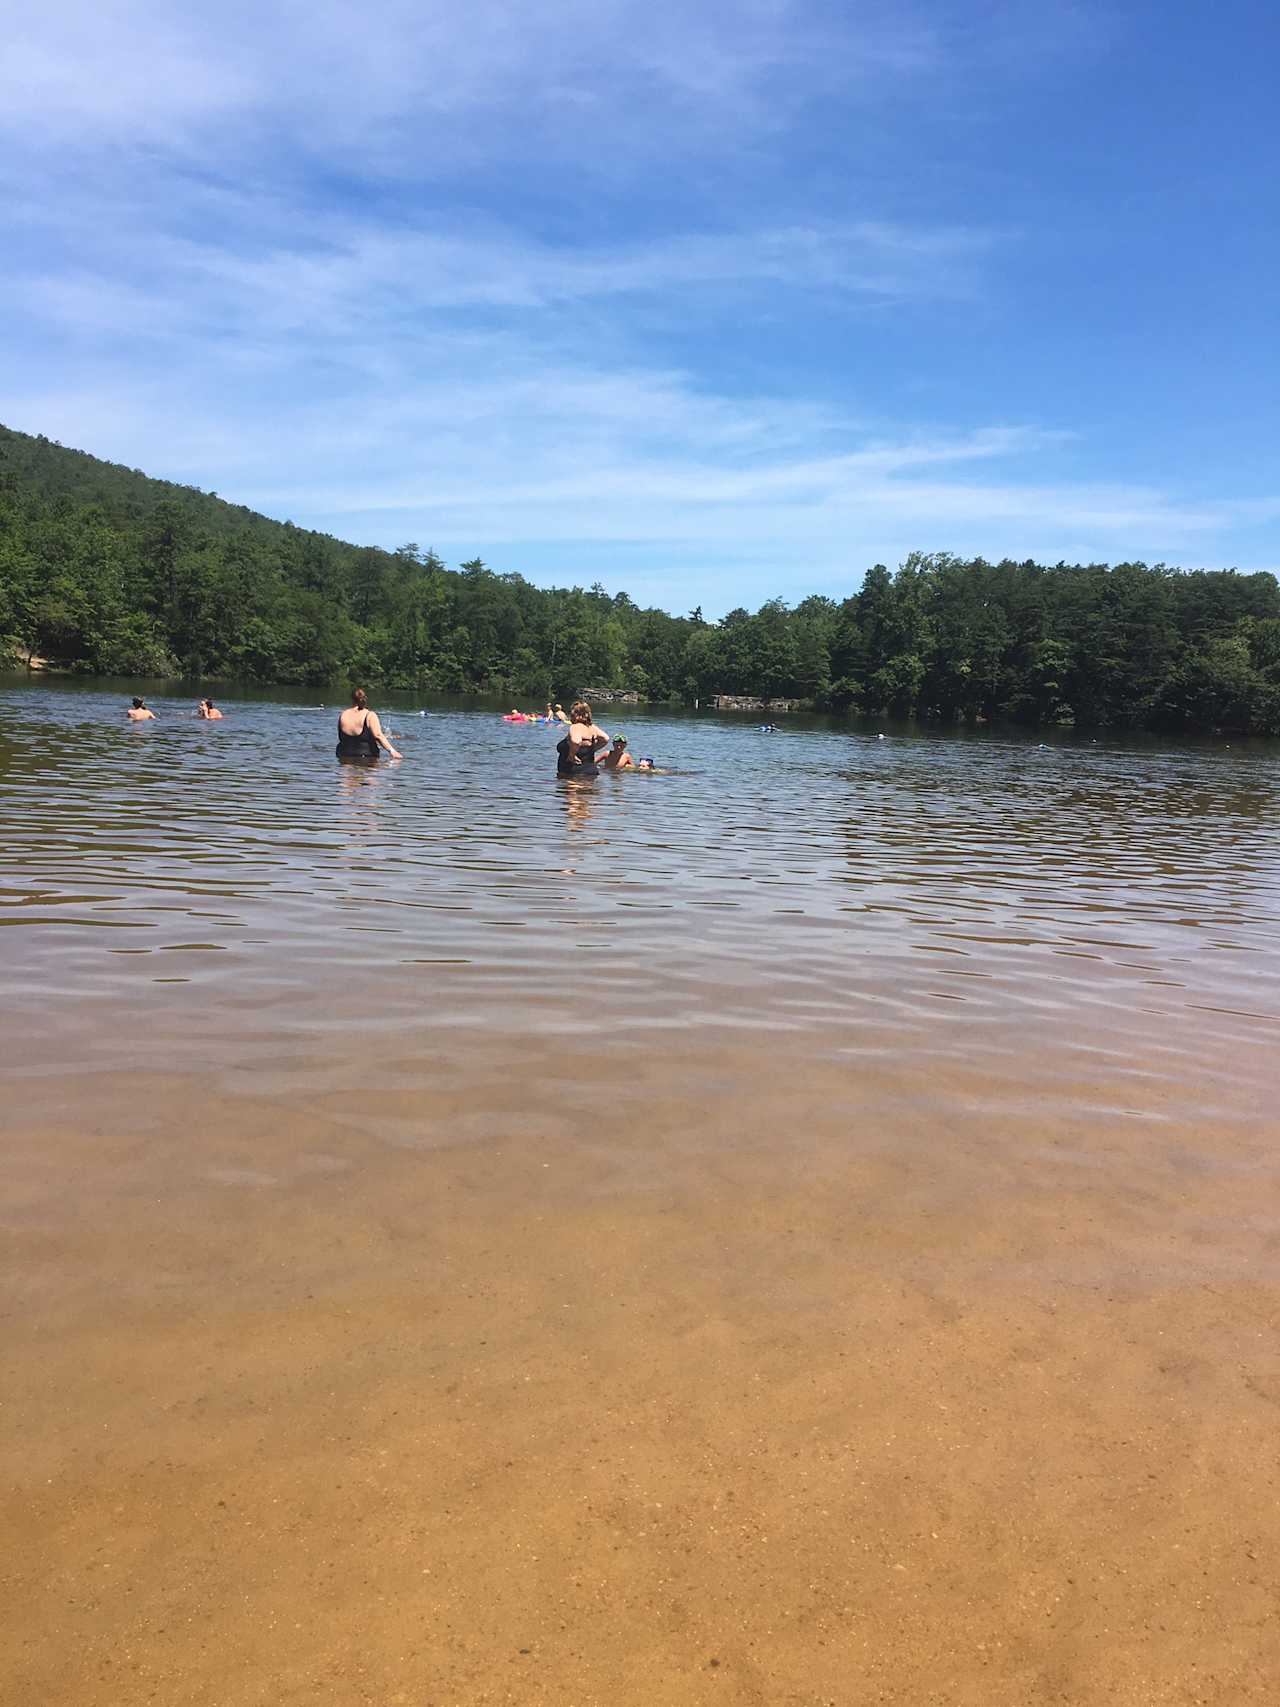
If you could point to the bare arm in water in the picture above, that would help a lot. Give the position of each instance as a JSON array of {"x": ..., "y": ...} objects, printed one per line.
[{"x": 374, "y": 726}]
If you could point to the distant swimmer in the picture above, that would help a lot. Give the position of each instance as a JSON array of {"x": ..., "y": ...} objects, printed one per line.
[
  {"x": 557, "y": 713},
  {"x": 139, "y": 712},
  {"x": 577, "y": 750},
  {"x": 359, "y": 731},
  {"x": 618, "y": 758},
  {"x": 646, "y": 765},
  {"x": 208, "y": 711}
]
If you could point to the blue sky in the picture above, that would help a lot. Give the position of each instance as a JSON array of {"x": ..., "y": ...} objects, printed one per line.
[{"x": 711, "y": 302}]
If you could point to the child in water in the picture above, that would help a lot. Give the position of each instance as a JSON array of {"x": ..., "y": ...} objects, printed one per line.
[{"x": 618, "y": 758}]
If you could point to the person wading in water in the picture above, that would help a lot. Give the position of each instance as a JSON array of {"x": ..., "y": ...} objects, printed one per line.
[
  {"x": 359, "y": 731},
  {"x": 578, "y": 748}
]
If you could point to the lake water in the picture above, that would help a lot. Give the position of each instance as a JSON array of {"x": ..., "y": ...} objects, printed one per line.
[
  {"x": 798, "y": 1226},
  {"x": 810, "y": 879}
]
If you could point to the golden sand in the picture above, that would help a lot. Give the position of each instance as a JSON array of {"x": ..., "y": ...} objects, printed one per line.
[{"x": 746, "y": 1376}]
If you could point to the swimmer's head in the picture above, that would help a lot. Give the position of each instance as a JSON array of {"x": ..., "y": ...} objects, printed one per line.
[
  {"x": 359, "y": 698},
  {"x": 619, "y": 742},
  {"x": 646, "y": 764},
  {"x": 138, "y": 702},
  {"x": 580, "y": 712}
]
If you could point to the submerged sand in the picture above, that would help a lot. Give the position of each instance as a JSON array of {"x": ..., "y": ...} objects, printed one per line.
[{"x": 759, "y": 1372}]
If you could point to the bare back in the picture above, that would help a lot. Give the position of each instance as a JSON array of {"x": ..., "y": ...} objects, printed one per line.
[{"x": 579, "y": 747}]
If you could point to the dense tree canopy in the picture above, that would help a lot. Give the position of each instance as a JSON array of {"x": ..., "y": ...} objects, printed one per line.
[{"x": 105, "y": 570}]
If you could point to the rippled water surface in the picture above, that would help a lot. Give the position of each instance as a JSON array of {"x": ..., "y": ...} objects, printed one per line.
[
  {"x": 471, "y": 1236},
  {"x": 813, "y": 878}
]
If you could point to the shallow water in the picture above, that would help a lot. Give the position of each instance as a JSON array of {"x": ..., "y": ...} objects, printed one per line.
[
  {"x": 803, "y": 1227},
  {"x": 811, "y": 878}
]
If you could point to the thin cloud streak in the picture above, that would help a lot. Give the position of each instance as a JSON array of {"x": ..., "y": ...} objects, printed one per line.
[
  {"x": 602, "y": 458},
  {"x": 481, "y": 275},
  {"x": 375, "y": 418},
  {"x": 643, "y": 75},
  {"x": 331, "y": 276}
]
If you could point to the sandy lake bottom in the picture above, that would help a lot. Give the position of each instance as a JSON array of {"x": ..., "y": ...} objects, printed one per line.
[{"x": 805, "y": 1229}]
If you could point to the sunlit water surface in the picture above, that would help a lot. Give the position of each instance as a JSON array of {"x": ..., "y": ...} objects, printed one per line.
[{"x": 817, "y": 880}]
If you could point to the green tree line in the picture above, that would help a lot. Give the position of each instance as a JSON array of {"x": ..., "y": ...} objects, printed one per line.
[{"x": 105, "y": 570}]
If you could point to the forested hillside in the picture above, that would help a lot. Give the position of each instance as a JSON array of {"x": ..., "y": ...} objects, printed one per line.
[{"x": 105, "y": 570}]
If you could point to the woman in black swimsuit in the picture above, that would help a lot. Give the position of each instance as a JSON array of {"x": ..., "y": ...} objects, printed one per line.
[
  {"x": 577, "y": 751},
  {"x": 359, "y": 731}
]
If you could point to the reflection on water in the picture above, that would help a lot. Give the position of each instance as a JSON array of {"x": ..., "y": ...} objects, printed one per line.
[
  {"x": 810, "y": 880},
  {"x": 579, "y": 797},
  {"x": 358, "y": 784}
]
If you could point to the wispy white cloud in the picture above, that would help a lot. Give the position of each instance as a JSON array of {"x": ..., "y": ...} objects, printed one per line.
[
  {"x": 297, "y": 252},
  {"x": 535, "y": 462},
  {"x": 369, "y": 78},
  {"x": 342, "y": 275},
  {"x": 136, "y": 72}
]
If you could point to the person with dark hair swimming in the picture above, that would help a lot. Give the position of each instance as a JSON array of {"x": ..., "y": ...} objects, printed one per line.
[
  {"x": 139, "y": 711},
  {"x": 577, "y": 750},
  {"x": 360, "y": 731},
  {"x": 208, "y": 711}
]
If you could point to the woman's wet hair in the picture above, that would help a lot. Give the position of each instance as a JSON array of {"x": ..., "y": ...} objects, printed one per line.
[
  {"x": 138, "y": 702},
  {"x": 580, "y": 712},
  {"x": 359, "y": 698}
]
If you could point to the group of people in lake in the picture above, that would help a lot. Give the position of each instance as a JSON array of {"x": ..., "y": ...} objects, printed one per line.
[
  {"x": 141, "y": 712},
  {"x": 580, "y": 752},
  {"x": 553, "y": 714}
]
